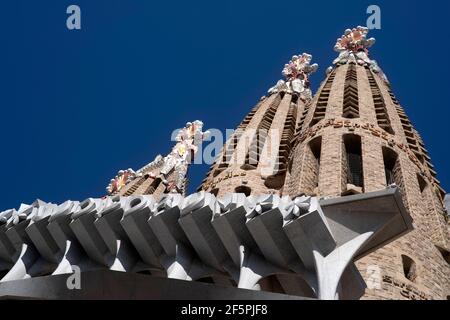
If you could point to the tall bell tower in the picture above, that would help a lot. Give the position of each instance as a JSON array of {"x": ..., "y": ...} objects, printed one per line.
[
  {"x": 254, "y": 159},
  {"x": 356, "y": 138}
]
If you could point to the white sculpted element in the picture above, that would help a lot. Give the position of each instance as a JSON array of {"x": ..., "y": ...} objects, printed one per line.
[
  {"x": 354, "y": 46},
  {"x": 296, "y": 74},
  {"x": 177, "y": 161},
  {"x": 183, "y": 153}
]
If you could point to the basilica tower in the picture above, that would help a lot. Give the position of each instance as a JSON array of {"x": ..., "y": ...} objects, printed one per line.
[
  {"x": 254, "y": 159},
  {"x": 355, "y": 138}
]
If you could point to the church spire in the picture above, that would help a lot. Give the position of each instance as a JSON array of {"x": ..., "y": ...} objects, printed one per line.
[
  {"x": 254, "y": 159},
  {"x": 164, "y": 174}
]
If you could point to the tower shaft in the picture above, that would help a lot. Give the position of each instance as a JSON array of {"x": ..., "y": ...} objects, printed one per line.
[{"x": 356, "y": 138}]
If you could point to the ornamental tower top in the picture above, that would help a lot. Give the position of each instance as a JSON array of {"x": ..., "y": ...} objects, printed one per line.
[
  {"x": 296, "y": 73},
  {"x": 354, "y": 47},
  {"x": 164, "y": 174}
]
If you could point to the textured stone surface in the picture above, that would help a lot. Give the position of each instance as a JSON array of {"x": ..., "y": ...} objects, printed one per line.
[{"x": 429, "y": 239}]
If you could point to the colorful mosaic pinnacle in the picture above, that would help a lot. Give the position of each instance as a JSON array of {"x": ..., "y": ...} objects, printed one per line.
[
  {"x": 297, "y": 73},
  {"x": 354, "y": 40},
  {"x": 171, "y": 169},
  {"x": 354, "y": 46}
]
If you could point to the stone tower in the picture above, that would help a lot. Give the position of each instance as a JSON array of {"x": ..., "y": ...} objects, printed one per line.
[
  {"x": 354, "y": 137},
  {"x": 254, "y": 159}
]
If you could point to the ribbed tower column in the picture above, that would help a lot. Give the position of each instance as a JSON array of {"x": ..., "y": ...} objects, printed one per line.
[
  {"x": 254, "y": 159},
  {"x": 356, "y": 138}
]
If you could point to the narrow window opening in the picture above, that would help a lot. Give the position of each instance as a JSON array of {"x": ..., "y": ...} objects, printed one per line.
[
  {"x": 259, "y": 140},
  {"x": 422, "y": 183},
  {"x": 379, "y": 104},
  {"x": 390, "y": 158},
  {"x": 278, "y": 177},
  {"x": 322, "y": 102},
  {"x": 352, "y": 144},
  {"x": 409, "y": 268},
  {"x": 315, "y": 147},
  {"x": 351, "y": 99}
]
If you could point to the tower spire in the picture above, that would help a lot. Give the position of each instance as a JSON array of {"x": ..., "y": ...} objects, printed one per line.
[
  {"x": 164, "y": 174},
  {"x": 356, "y": 138},
  {"x": 254, "y": 159}
]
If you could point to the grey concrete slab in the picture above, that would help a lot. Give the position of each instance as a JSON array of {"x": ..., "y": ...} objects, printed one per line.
[
  {"x": 7, "y": 250},
  {"x": 233, "y": 233},
  {"x": 309, "y": 233},
  {"x": 90, "y": 239},
  {"x": 60, "y": 231},
  {"x": 135, "y": 224},
  {"x": 202, "y": 236},
  {"x": 41, "y": 237},
  {"x": 382, "y": 211},
  {"x": 16, "y": 234},
  {"x": 109, "y": 227},
  {"x": 99, "y": 285},
  {"x": 124, "y": 255},
  {"x": 267, "y": 230},
  {"x": 167, "y": 230}
]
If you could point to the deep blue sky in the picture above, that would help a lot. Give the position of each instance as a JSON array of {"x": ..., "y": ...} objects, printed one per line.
[{"x": 76, "y": 106}]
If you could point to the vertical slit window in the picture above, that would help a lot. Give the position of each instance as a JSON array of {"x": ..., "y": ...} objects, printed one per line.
[
  {"x": 390, "y": 159},
  {"x": 352, "y": 144},
  {"x": 422, "y": 183},
  {"x": 322, "y": 101},
  {"x": 379, "y": 104},
  {"x": 230, "y": 146},
  {"x": 315, "y": 147},
  {"x": 409, "y": 268},
  {"x": 351, "y": 100},
  {"x": 259, "y": 140},
  {"x": 277, "y": 179},
  {"x": 406, "y": 124}
]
